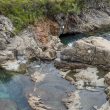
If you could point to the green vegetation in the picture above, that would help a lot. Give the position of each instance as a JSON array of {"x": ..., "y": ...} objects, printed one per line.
[{"x": 25, "y": 12}]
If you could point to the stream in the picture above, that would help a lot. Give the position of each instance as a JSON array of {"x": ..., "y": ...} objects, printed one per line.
[{"x": 14, "y": 87}]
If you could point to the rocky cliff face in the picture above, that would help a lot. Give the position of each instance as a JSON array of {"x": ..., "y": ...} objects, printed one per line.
[
  {"x": 95, "y": 15},
  {"x": 85, "y": 22}
]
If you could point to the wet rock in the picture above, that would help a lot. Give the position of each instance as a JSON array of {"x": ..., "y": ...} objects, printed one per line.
[
  {"x": 37, "y": 77},
  {"x": 37, "y": 104},
  {"x": 72, "y": 102},
  {"x": 70, "y": 79},
  {"x": 92, "y": 50},
  {"x": 107, "y": 79}
]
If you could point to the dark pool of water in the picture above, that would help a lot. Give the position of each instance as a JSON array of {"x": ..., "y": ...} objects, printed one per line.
[{"x": 68, "y": 39}]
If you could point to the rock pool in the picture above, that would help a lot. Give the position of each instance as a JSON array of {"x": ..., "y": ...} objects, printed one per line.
[{"x": 15, "y": 88}]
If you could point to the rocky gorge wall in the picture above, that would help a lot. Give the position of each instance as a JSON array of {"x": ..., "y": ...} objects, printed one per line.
[{"x": 93, "y": 16}]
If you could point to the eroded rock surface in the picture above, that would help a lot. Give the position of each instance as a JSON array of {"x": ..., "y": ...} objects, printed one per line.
[
  {"x": 26, "y": 44},
  {"x": 93, "y": 50}
]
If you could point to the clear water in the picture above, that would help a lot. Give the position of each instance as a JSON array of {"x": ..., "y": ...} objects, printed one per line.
[
  {"x": 14, "y": 89},
  {"x": 53, "y": 88}
]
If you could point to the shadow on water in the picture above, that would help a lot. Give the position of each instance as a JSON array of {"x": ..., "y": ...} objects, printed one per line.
[
  {"x": 5, "y": 76},
  {"x": 69, "y": 38}
]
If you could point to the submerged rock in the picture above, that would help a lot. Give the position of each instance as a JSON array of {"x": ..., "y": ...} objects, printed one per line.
[
  {"x": 37, "y": 77},
  {"x": 37, "y": 104},
  {"x": 72, "y": 102},
  {"x": 92, "y": 50}
]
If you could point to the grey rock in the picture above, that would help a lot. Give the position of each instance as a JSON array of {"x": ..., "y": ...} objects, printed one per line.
[
  {"x": 95, "y": 15},
  {"x": 6, "y": 55},
  {"x": 6, "y": 30},
  {"x": 93, "y": 50},
  {"x": 26, "y": 44}
]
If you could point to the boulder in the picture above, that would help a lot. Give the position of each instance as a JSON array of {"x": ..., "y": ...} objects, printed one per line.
[{"x": 93, "y": 50}]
